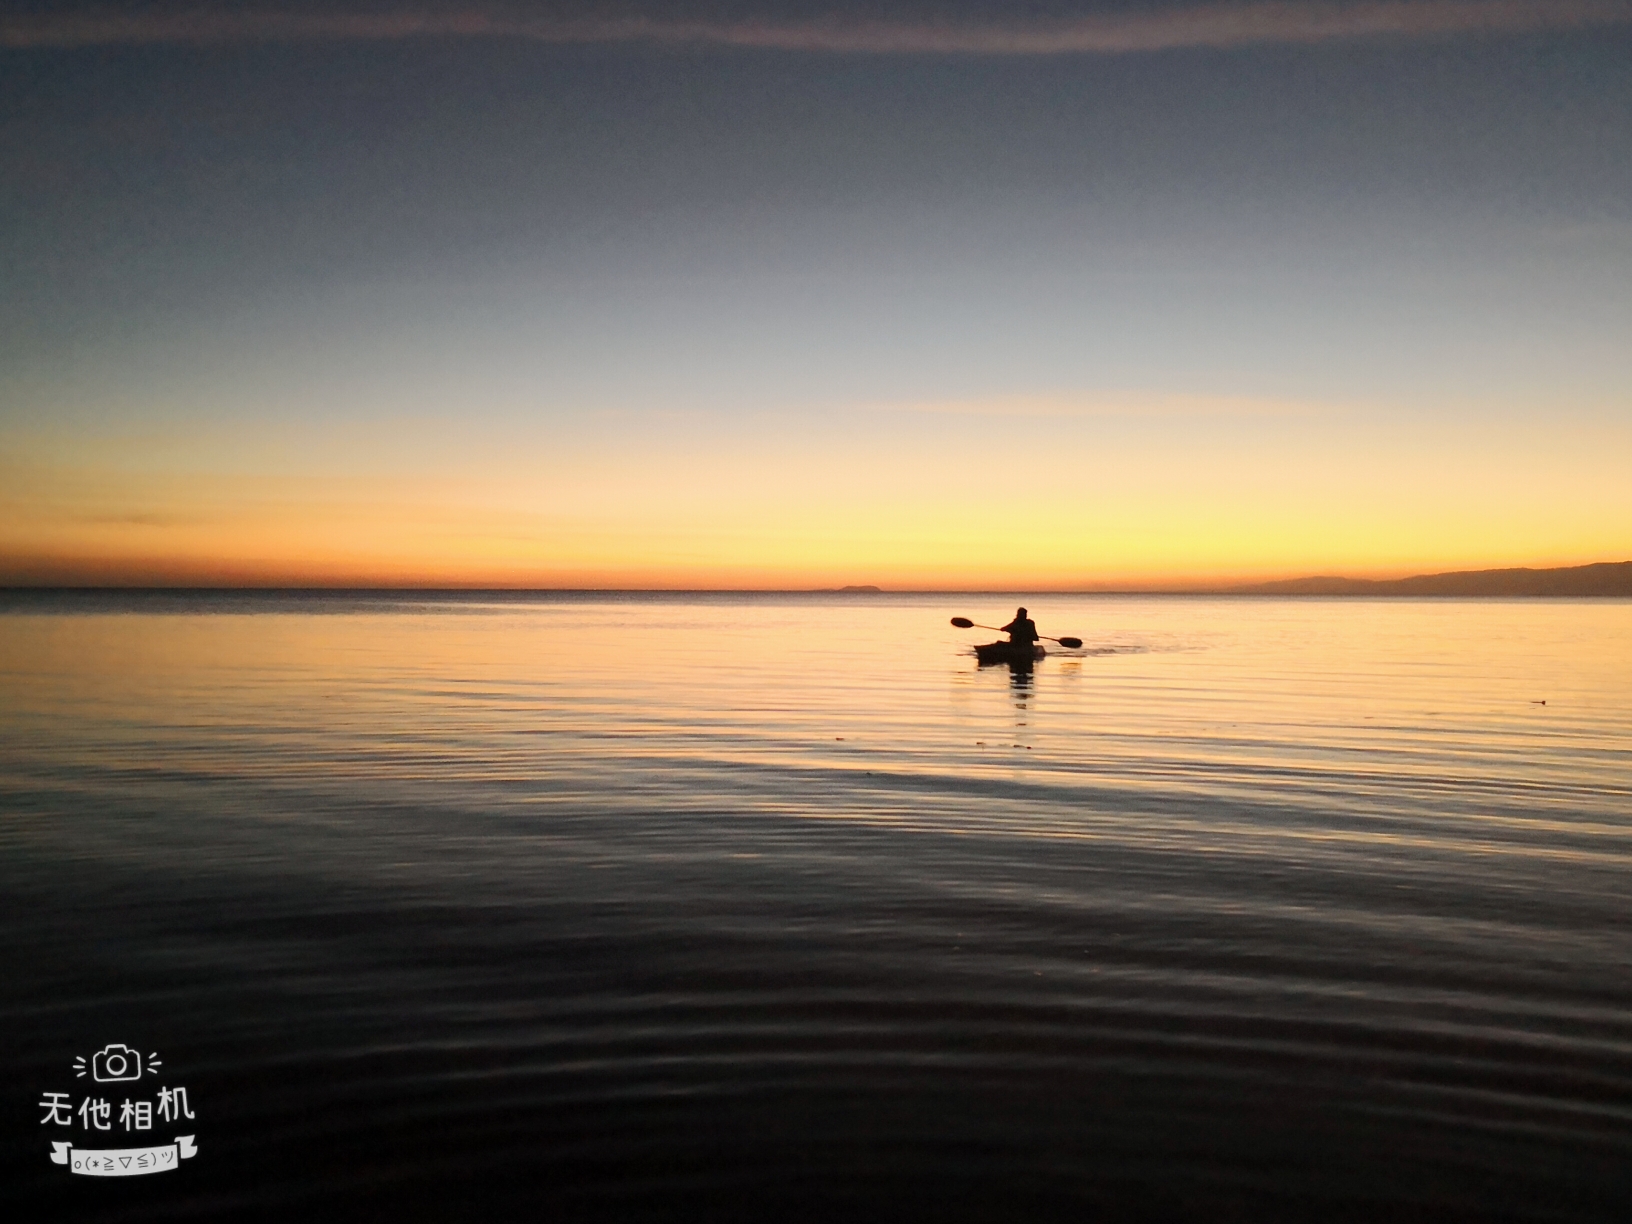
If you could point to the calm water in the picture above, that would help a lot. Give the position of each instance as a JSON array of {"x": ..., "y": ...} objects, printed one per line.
[{"x": 764, "y": 908}]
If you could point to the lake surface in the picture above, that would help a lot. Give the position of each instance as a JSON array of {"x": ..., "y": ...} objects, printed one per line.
[{"x": 764, "y": 908}]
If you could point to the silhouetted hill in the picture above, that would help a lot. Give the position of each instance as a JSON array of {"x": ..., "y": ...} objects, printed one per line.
[{"x": 1605, "y": 578}]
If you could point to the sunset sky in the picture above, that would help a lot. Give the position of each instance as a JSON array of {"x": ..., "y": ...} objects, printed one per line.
[{"x": 758, "y": 294}]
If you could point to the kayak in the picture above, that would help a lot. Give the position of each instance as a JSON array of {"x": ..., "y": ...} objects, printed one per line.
[{"x": 1007, "y": 652}]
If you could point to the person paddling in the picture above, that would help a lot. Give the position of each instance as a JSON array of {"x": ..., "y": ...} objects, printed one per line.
[
  {"x": 1022, "y": 631},
  {"x": 1023, "y": 638}
]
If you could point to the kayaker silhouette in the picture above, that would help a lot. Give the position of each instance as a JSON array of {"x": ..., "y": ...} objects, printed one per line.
[
  {"x": 1022, "y": 631},
  {"x": 1021, "y": 649}
]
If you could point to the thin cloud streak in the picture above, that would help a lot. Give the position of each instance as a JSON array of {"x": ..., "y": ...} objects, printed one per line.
[
  {"x": 1216, "y": 26},
  {"x": 1119, "y": 405}
]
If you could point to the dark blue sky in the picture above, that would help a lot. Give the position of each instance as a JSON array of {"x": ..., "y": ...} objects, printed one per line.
[
  {"x": 1319, "y": 210},
  {"x": 177, "y": 177}
]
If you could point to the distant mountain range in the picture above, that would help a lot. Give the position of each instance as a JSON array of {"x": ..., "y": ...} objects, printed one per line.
[{"x": 1605, "y": 578}]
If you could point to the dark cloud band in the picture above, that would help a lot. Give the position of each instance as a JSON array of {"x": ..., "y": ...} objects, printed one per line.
[{"x": 1206, "y": 25}]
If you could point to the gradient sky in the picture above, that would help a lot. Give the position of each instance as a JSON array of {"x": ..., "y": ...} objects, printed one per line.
[{"x": 802, "y": 294}]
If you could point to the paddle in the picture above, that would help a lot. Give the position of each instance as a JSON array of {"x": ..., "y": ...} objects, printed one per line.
[{"x": 963, "y": 622}]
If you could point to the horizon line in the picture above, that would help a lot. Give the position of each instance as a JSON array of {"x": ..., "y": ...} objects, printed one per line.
[
  {"x": 1307, "y": 586},
  {"x": 859, "y": 587}
]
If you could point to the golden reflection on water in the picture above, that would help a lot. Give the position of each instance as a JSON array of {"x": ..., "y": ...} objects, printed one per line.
[{"x": 1394, "y": 711}]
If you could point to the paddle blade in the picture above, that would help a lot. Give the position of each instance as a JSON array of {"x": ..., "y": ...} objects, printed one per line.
[
  {"x": 1071, "y": 643},
  {"x": 963, "y": 622}
]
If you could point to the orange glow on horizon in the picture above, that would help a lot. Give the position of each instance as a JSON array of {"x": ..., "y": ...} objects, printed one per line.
[
  {"x": 454, "y": 573},
  {"x": 1185, "y": 495}
]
